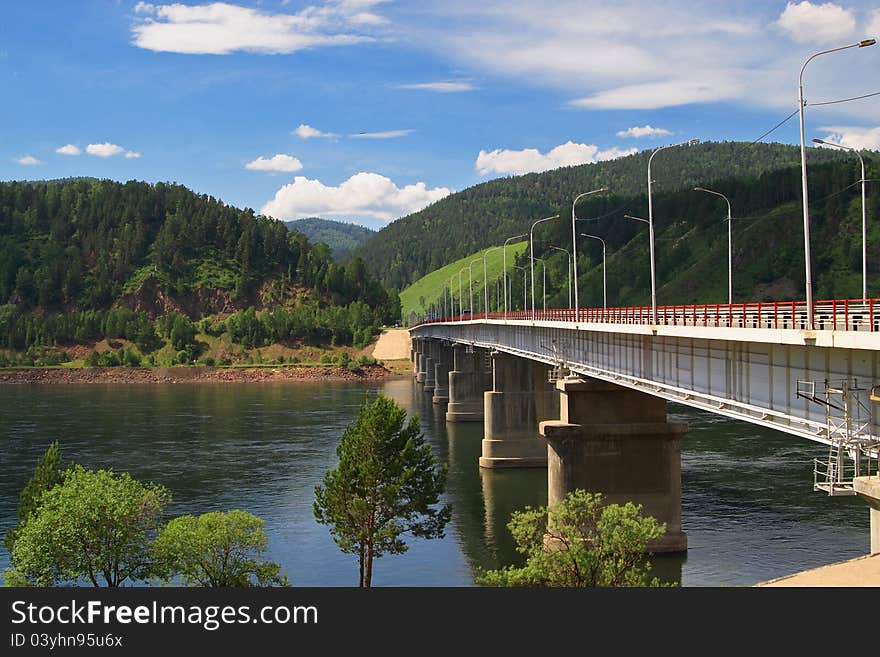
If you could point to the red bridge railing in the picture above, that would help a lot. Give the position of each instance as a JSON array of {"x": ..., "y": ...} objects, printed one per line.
[{"x": 834, "y": 315}]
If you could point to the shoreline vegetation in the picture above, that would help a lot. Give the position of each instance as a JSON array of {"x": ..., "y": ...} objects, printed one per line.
[{"x": 195, "y": 374}]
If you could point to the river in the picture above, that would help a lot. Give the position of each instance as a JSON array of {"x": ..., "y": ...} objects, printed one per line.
[{"x": 747, "y": 501}]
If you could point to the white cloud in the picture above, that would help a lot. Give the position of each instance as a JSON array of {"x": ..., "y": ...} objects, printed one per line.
[
  {"x": 637, "y": 132},
  {"x": 28, "y": 160},
  {"x": 220, "y": 28},
  {"x": 362, "y": 195},
  {"x": 654, "y": 95},
  {"x": 440, "y": 87},
  {"x": 68, "y": 149},
  {"x": 853, "y": 136},
  {"x": 105, "y": 149},
  {"x": 874, "y": 24},
  {"x": 806, "y": 22},
  {"x": 279, "y": 162},
  {"x": 531, "y": 160},
  {"x": 695, "y": 52},
  {"x": 132, "y": 155},
  {"x": 305, "y": 131},
  {"x": 389, "y": 134}
]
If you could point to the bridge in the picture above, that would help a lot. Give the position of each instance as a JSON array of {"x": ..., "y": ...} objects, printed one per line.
[{"x": 584, "y": 392}]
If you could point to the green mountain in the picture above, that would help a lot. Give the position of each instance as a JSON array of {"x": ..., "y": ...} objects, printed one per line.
[
  {"x": 341, "y": 237},
  {"x": 691, "y": 239},
  {"x": 487, "y": 214},
  {"x": 84, "y": 259}
]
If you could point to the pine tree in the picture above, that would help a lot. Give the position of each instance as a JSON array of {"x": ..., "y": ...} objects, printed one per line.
[{"x": 387, "y": 484}]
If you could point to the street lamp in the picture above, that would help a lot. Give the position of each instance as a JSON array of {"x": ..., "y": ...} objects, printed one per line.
[
  {"x": 645, "y": 221},
  {"x": 452, "y": 298},
  {"x": 532, "y": 256},
  {"x": 460, "y": 297},
  {"x": 574, "y": 248},
  {"x": 729, "y": 242},
  {"x": 807, "y": 268},
  {"x": 864, "y": 222},
  {"x": 515, "y": 237},
  {"x": 565, "y": 251},
  {"x": 471, "y": 284},
  {"x": 486, "y": 279},
  {"x": 525, "y": 272},
  {"x": 543, "y": 281},
  {"x": 604, "y": 286},
  {"x": 691, "y": 142}
]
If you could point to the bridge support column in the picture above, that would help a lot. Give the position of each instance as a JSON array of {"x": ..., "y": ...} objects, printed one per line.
[
  {"x": 441, "y": 374},
  {"x": 467, "y": 381},
  {"x": 422, "y": 357},
  {"x": 414, "y": 356},
  {"x": 617, "y": 442},
  {"x": 868, "y": 489},
  {"x": 430, "y": 360},
  {"x": 520, "y": 398}
]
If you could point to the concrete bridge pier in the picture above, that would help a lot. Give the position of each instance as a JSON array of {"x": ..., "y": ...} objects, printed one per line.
[
  {"x": 415, "y": 350},
  {"x": 441, "y": 374},
  {"x": 618, "y": 442},
  {"x": 467, "y": 382},
  {"x": 422, "y": 358},
  {"x": 520, "y": 398},
  {"x": 430, "y": 361},
  {"x": 868, "y": 489}
]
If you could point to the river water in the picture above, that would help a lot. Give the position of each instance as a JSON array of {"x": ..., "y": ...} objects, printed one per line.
[{"x": 747, "y": 501}]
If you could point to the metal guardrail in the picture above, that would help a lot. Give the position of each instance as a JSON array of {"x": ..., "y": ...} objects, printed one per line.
[{"x": 834, "y": 315}]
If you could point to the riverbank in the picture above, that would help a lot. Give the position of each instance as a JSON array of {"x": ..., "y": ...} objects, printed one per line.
[{"x": 197, "y": 374}]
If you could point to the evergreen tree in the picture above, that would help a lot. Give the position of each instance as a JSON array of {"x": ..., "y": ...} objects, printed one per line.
[
  {"x": 47, "y": 474},
  {"x": 387, "y": 484}
]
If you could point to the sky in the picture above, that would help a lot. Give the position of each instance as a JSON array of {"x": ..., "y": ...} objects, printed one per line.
[{"x": 368, "y": 110}]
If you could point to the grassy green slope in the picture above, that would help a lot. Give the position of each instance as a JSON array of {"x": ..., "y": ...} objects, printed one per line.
[{"x": 427, "y": 289}]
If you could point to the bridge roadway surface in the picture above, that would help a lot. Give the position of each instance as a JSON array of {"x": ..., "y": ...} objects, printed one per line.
[{"x": 742, "y": 361}]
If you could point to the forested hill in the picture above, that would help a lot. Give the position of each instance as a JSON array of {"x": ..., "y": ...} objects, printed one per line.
[
  {"x": 487, "y": 214},
  {"x": 89, "y": 245},
  {"x": 691, "y": 243},
  {"x": 341, "y": 237}
]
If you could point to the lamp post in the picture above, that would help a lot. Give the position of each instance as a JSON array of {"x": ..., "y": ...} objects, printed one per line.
[
  {"x": 543, "y": 281},
  {"x": 452, "y": 298},
  {"x": 604, "y": 286},
  {"x": 460, "y": 297},
  {"x": 486, "y": 279},
  {"x": 525, "y": 272},
  {"x": 690, "y": 142},
  {"x": 506, "y": 242},
  {"x": 565, "y": 251},
  {"x": 729, "y": 241},
  {"x": 574, "y": 248},
  {"x": 645, "y": 221},
  {"x": 471, "y": 284},
  {"x": 532, "y": 255},
  {"x": 864, "y": 222},
  {"x": 807, "y": 267}
]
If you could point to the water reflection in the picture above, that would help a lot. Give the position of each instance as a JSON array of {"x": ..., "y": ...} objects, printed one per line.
[{"x": 747, "y": 500}]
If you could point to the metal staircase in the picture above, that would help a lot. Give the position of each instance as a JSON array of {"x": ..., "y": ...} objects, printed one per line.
[{"x": 852, "y": 450}]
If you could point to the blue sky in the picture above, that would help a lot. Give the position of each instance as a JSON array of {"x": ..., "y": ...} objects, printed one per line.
[{"x": 367, "y": 110}]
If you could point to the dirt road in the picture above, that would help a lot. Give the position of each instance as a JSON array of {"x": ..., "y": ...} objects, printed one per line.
[{"x": 393, "y": 344}]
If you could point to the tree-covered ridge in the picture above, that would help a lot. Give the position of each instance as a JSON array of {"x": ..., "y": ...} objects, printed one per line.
[
  {"x": 84, "y": 259},
  {"x": 487, "y": 214},
  {"x": 84, "y": 244},
  {"x": 341, "y": 237},
  {"x": 692, "y": 243}
]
